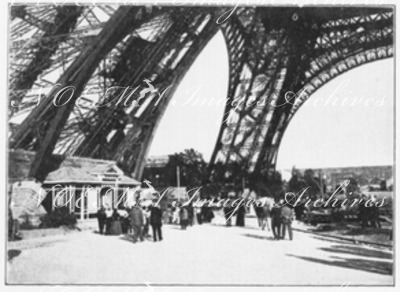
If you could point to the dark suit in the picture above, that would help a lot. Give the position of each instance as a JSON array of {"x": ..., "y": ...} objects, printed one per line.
[
  {"x": 101, "y": 217},
  {"x": 156, "y": 222},
  {"x": 276, "y": 221}
]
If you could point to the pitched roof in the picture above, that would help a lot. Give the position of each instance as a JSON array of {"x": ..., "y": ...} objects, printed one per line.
[
  {"x": 70, "y": 174},
  {"x": 105, "y": 168}
]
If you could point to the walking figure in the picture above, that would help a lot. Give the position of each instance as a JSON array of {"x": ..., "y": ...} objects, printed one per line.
[
  {"x": 276, "y": 220},
  {"x": 136, "y": 216},
  {"x": 184, "y": 218},
  {"x": 287, "y": 218},
  {"x": 109, "y": 213},
  {"x": 260, "y": 214},
  {"x": 101, "y": 218},
  {"x": 146, "y": 220},
  {"x": 156, "y": 222}
]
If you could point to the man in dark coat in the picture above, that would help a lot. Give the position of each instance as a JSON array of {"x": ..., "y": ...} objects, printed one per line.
[
  {"x": 184, "y": 217},
  {"x": 276, "y": 220},
  {"x": 136, "y": 216},
  {"x": 241, "y": 213},
  {"x": 156, "y": 221},
  {"x": 101, "y": 218}
]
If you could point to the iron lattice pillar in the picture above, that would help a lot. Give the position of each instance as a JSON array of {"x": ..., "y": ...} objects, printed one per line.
[{"x": 277, "y": 58}]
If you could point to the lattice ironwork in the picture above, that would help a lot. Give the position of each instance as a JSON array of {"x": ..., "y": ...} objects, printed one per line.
[{"x": 135, "y": 49}]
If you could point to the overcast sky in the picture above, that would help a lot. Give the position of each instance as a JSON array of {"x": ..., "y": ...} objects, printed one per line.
[{"x": 322, "y": 134}]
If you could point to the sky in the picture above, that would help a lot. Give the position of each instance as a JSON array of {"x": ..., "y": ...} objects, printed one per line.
[{"x": 356, "y": 130}]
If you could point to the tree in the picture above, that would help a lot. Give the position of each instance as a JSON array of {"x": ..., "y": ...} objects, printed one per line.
[
  {"x": 267, "y": 184},
  {"x": 193, "y": 169},
  {"x": 231, "y": 173}
]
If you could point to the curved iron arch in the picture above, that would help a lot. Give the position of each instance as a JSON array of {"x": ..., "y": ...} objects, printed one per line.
[
  {"x": 239, "y": 43},
  {"x": 310, "y": 88}
]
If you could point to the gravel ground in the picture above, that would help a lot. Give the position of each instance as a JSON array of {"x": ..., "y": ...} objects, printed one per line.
[{"x": 205, "y": 254}]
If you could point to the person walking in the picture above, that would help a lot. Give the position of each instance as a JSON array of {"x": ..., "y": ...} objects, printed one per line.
[
  {"x": 184, "y": 217},
  {"x": 228, "y": 212},
  {"x": 128, "y": 220},
  {"x": 199, "y": 216},
  {"x": 116, "y": 228},
  {"x": 276, "y": 220},
  {"x": 101, "y": 218},
  {"x": 240, "y": 216},
  {"x": 267, "y": 214},
  {"x": 109, "y": 213},
  {"x": 258, "y": 208},
  {"x": 124, "y": 218},
  {"x": 190, "y": 211},
  {"x": 176, "y": 216},
  {"x": 146, "y": 219},
  {"x": 156, "y": 222},
  {"x": 136, "y": 216},
  {"x": 287, "y": 218}
]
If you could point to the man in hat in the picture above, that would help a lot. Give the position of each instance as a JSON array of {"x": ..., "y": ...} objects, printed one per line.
[
  {"x": 276, "y": 220},
  {"x": 287, "y": 218},
  {"x": 136, "y": 216},
  {"x": 156, "y": 220},
  {"x": 101, "y": 218}
]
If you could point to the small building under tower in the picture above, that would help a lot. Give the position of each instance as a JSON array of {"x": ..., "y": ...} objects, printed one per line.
[{"x": 84, "y": 190}]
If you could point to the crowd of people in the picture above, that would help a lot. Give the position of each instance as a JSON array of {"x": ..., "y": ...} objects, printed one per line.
[
  {"x": 277, "y": 216},
  {"x": 281, "y": 217},
  {"x": 135, "y": 221}
]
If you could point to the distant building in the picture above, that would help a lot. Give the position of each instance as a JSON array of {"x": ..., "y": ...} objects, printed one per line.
[{"x": 364, "y": 175}]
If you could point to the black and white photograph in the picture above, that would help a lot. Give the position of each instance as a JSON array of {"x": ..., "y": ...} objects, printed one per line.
[{"x": 215, "y": 144}]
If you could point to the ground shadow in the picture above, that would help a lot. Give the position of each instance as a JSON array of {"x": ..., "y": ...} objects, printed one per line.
[
  {"x": 358, "y": 251},
  {"x": 104, "y": 234},
  {"x": 12, "y": 253},
  {"x": 258, "y": 236},
  {"x": 129, "y": 238},
  {"x": 372, "y": 266},
  {"x": 329, "y": 239},
  {"x": 368, "y": 231}
]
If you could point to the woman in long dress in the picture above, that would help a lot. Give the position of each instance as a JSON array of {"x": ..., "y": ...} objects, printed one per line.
[{"x": 115, "y": 224}]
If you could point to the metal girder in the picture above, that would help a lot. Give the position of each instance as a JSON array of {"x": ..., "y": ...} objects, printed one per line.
[
  {"x": 164, "y": 65},
  {"x": 271, "y": 50},
  {"x": 64, "y": 21},
  {"x": 307, "y": 51},
  {"x": 153, "y": 116},
  {"x": 38, "y": 55},
  {"x": 52, "y": 118}
]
